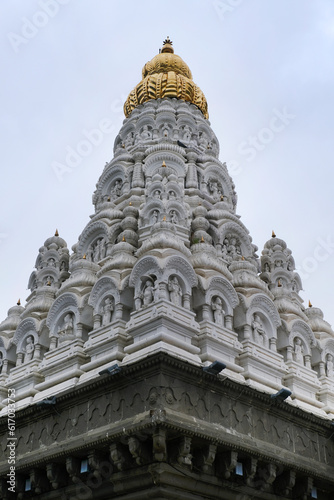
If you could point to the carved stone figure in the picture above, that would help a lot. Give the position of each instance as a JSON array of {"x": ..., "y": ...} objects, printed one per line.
[
  {"x": 66, "y": 331},
  {"x": 51, "y": 262},
  {"x": 146, "y": 133},
  {"x": 266, "y": 267},
  {"x": 157, "y": 194},
  {"x": 148, "y": 293},
  {"x": 184, "y": 456},
  {"x": 107, "y": 311},
  {"x": 154, "y": 217},
  {"x": 129, "y": 140},
  {"x": 173, "y": 217},
  {"x": 186, "y": 134},
  {"x": 215, "y": 190},
  {"x": 231, "y": 248},
  {"x": 218, "y": 311},
  {"x": 298, "y": 352},
  {"x": 329, "y": 366},
  {"x": 165, "y": 130},
  {"x": 117, "y": 189},
  {"x": 29, "y": 349},
  {"x": 175, "y": 291},
  {"x": 97, "y": 251},
  {"x": 172, "y": 195},
  {"x": 258, "y": 331}
]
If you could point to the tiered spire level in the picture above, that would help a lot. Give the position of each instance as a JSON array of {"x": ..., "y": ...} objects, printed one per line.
[{"x": 166, "y": 264}]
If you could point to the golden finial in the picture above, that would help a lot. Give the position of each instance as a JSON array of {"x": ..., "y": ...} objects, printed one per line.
[
  {"x": 84, "y": 256},
  {"x": 279, "y": 283},
  {"x": 167, "y": 46},
  {"x": 202, "y": 240},
  {"x": 123, "y": 239},
  {"x": 164, "y": 218},
  {"x": 123, "y": 146},
  {"x": 56, "y": 233},
  {"x": 18, "y": 302},
  {"x": 164, "y": 164},
  {"x": 108, "y": 199},
  {"x": 222, "y": 198},
  {"x": 273, "y": 235},
  {"x": 309, "y": 303},
  {"x": 48, "y": 283},
  {"x": 242, "y": 257},
  {"x": 166, "y": 75},
  {"x": 130, "y": 203}
]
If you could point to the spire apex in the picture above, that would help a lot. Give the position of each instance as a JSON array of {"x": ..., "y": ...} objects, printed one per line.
[{"x": 167, "y": 46}]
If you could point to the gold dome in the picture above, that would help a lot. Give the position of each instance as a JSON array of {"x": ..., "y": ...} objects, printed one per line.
[{"x": 166, "y": 75}]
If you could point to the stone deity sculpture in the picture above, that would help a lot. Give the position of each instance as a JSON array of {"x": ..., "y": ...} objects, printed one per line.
[
  {"x": 329, "y": 366},
  {"x": 107, "y": 311},
  {"x": 29, "y": 349},
  {"x": 173, "y": 217},
  {"x": 148, "y": 293},
  {"x": 154, "y": 217},
  {"x": 258, "y": 331},
  {"x": 175, "y": 291},
  {"x": 66, "y": 332},
  {"x": 218, "y": 311},
  {"x": 298, "y": 353}
]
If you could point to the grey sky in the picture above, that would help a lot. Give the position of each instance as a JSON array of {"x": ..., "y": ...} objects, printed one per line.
[{"x": 266, "y": 68}]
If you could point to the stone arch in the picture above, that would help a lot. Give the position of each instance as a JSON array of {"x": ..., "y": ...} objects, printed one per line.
[
  {"x": 216, "y": 302},
  {"x": 264, "y": 320},
  {"x": 27, "y": 337},
  {"x": 27, "y": 326},
  {"x": 298, "y": 343},
  {"x": 222, "y": 288},
  {"x": 145, "y": 267},
  {"x": 58, "y": 319},
  {"x": 179, "y": 278},
  {"x": 153, "y": 211},
  {"x": 104, "y": 298},
  {"x": 219, "y": 172},
  {"x": 112, "y": 182},
  {"x": 231, "y": 230},
  {"x": 90, "y": 238},
  {"x": 174, "y": 164}
]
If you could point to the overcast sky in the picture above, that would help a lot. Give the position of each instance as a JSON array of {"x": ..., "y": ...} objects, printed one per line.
[{"x": 266, "y": 68}]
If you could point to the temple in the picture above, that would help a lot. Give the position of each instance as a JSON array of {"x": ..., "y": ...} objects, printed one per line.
[{"x": 163, "y": 357}]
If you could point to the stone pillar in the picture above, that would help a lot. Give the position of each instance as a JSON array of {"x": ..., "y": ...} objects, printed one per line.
[
  {"x": 192, "y": 179},
  {"x": 322, "y": 370},
  {"x": 138, "y": 176},
  {"x": 118, "y": 311},
  {"x": 206, "y": 312},
  {"x": 289, "y": 351},
  {"x": 79, "y": 329},
  {"x": 186, "y": 301},
  {"x": 53, "y": 343},
  {"x": 137, "y": 303},
  {"x": 37, "y": 351},
  {"x": 272, "y": 343},
  {"x": 19, "y": 360},
  {"x": 247, "y": 332},
  {"x": 97, "y": 321},
  {"x": 307, "y": 359},
  {"x": 229, "y": 322}
]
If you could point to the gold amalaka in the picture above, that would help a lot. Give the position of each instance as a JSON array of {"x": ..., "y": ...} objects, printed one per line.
[{"x": 166, "y": 75}]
